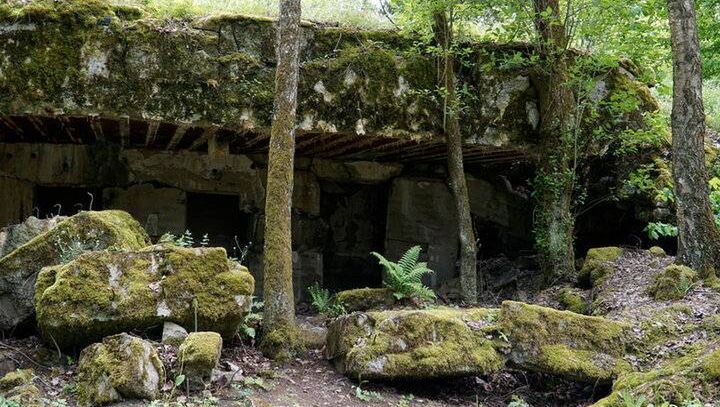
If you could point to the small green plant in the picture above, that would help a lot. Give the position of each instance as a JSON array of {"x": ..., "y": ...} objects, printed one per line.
[
  {"x": 656, "y": 230},
  {"x": 205, "y": 242},
  {"x": 517, "y": 401},
  {"x": 630, "y": 401},
  {"x": 366, "y": 395},
  {"x": 252, "y": 320},
  {"x": 323, "y": 302},
  {"x": 184, "y": 240},
  {"x": 404, "y": 278}
]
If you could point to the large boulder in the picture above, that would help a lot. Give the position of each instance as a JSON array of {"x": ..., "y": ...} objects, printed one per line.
[
  {"x": 14, "y": 236},
  {"x": 107, "y": 292},
  {"x": 564, "y": 343},
  {"x": 62, "y": 243},
  {"x": 415, "y": 344},
  {"x": 121, "y": 367}
]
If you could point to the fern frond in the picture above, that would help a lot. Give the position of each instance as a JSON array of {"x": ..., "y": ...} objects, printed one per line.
[{"x": 410, "y": 258}]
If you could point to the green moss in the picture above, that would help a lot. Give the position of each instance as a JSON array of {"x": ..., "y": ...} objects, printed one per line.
[
  {"x": 663, "y": 326},
  {"x": 581, "y": 364},
  {"x": 598, "y": 264},
  {"x": 711, "y": 365},
  {"x": 200, "y": 353},
  {"x": 282, "y": 343},
  {"x": 122, "y": 366},
  {"x": 672, "y": 283},
  {"x": 16, "y": 378},
  {"x": 363, "y": 299},
  {"x": 572, "y": 300},
  {"x": 541, "y": 336},
  {"x": 657, "y": 251},
  {"x": 85, "y": 231},
  {"x": 102, "y": 293},
  {"x": 415, "y": 344}
]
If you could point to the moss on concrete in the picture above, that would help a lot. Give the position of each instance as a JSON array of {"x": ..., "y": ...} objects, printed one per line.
[
  {"x": 599, "y": 264},
  {"x": 432, "y": 343},
  {"x": 103, "y": 293},
  {"x": 573, "y": 300},
  {"x": 200, "y": 354},
  {"x": 115, "y": 230},
  {"x": 672, "y": 283},
  {"x": 363, "y": 299},
  {"x": 541, "y": 338},
  {"x": 120, "y": 367}
]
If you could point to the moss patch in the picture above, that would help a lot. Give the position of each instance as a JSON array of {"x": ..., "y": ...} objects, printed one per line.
[
  {"x": 672, "y": 283},
  {"x": 363, "y": 299},
  {"x": 120, "y": 367},
  {"x": 542, "y": 337},
  {"x": 441, "y": 342},
  {"x": 572, "y": 300},
  {"x": 85, "y": 231},
  {"x": 657, "y": 251},
  {"x": 599, "y": 264},
  {"x": 200, "y": 353},
  {"x": 102, "y": 293}
]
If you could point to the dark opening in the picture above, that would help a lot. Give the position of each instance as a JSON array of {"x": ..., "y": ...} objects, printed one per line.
[
  {"x": 66, "y": 201},
  {"x": 356, "y": 215},
  {"x": 220, "y": 217}
]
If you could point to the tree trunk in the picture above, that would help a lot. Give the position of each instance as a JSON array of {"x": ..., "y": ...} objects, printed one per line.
[
  {"x": 458, "y": 184},
  {"x": 554, "y": 221},
  {"x": 698, "y": 238},
  {"x": 280, "y": 338}
]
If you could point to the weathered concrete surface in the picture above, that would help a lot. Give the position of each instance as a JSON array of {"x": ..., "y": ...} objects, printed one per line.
[{"x": 100, "y": 61}]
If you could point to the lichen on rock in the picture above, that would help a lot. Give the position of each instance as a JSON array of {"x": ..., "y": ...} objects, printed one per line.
[
  {"x": 363, "y": 299},
  {"x": 103, "y": 293},
  {"x": 115, "y": 230},
  {"x": 564, "y": 343},
  {"x": 442, "y": 342},
  {"x": 120, "y": 367}
]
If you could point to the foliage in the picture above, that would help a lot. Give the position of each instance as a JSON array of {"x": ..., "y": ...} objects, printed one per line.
[
  {"x": 366, "y": 395},
  {"x": 640, "y": 401},
  {"x": 517, "y": 401},
  {"x": 184, "y": 240},
  {"x": 252, "y": 320},
  {"x": 363, "y": 13},
  {"x": 8, "y": 403},
  {"x": 323, "y": 302},
  {"x": 405, "y": 276}
]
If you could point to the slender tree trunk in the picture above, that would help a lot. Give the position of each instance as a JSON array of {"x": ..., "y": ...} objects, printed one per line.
[
  {"x": 554, "y": 221},
  {"x": 458, "y": 184},
  {"x": 698, "y": 238},
  {"x": 280, "y": 337}
]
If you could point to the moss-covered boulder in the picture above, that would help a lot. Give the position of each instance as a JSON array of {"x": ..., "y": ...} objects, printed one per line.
[
  {"x": 363, "y": 299},
  {"x": 657, "y": 251},
  {"x": 573, "y": 299},
  {"x": 17, "y": 387},
  {"x": 121, "y": 367},
  {"x": 564, "y": 343},
  {"x": 104, "y": 293},
  {"x": 415, "y": 344},
  {"x": 692, "y": 375},
  {"x": 672, "y": 283},
  {"x": 200, "y": 354},
  {"x": 599, "y": 264},
  {"x": 85, "y": 231},
  {"x": 14, "y": 236}
]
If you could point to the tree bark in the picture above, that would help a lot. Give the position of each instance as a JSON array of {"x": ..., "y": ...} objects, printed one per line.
[
  {"x": 458, "y": 184},
  {"x": 698, "y": 237},
  {"x": 280, "y": 337},
  {"x": 554, "y": 221}
]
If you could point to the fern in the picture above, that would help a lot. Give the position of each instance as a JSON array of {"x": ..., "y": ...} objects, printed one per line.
[{"x": 404, "y": 278}]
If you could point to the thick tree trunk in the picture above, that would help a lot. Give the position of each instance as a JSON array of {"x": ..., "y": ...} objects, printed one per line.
[
  {"x": 458, "y": 184},
  {"x": 280, "y": 338},
  {"x": 554, "y": 221},
  {"x": 698, "y": 238}
]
